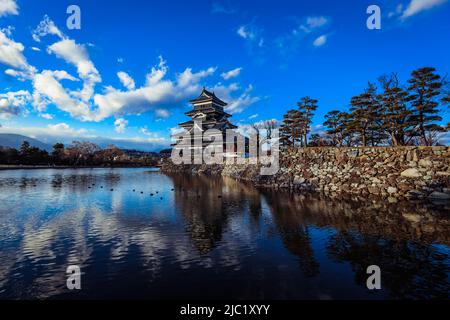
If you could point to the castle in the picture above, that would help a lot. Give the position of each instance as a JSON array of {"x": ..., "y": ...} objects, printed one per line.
[{"x": 207, "y": 113}]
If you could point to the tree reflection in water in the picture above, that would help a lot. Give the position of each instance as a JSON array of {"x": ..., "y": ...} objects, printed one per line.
[
  {"x": 206, "y": 204},
  {"x": 397, "y": 237},
  {"x": 199, "y": 230},
  {"x": 409, "y": 270}
]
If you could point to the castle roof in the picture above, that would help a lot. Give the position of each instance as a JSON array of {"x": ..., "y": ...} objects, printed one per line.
[{"x": 208, "y": 96}]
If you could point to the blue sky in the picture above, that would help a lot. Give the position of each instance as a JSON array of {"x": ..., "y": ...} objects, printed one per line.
[{"x": 127, "y": 75}]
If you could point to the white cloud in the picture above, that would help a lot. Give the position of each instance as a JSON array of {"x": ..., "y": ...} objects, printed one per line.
[
  {"x": 46, "y": 27},
  {"x": 13, "y": 103},
  {"x": 162, "y": 113},
  {"x": 47, "y": 89},
  {"x": 77, "y": 55},
  {"x": 153, "y": 96},
  {"x": 187, "y": 77},
  {"x": 320, "y": 41},
  {"x": 444, "y": 138},
  {"x": 120, "y": 60},
  {"x": 8, "y": 7},
  {"x": 253, "y": 116},
  {"x": 247, "y": 129},
  {"x": 175, "y": 131},
  {"x": 58, "y": 130},
  {"x": 63, "y": 132},
  {"x": 416, "y": 6},
  {"x": 231, "y": 74},
  {"x": 311, "y": 23},
  {"x": 244, "y": 33},
  {"x": 151, "y": 136},
  {"x": 11, "y": 54},
  {"x": 239, "y": 103},
  {"x": 35, "y": 49},
  {"x": 63, "y": 75},
  {"x": 318, "y": 129},
  {"x": 145, "y": 131},
  {"x": 158, "y": 94},
  {"x": 290, "y": 43},
  {"x": 19, "y": 75},
  {"x": 225, "y": 92},
  {"x": 64, "y": 129},
  {"x": 120, "y": 125},
  {"x": 46, "y": 116},
  {"x": 126, "y": 80},
  {"x": 316, "y": 22},
  {"x": 253, "y": 36},
  {"x": 159, "y": 141},
  {"x": 398, "y": 11},
  {"x": 243, "y": 101}
]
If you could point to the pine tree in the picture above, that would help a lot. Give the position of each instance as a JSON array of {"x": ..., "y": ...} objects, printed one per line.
[
  {"x": 290, "y": 128},
  {"x": 446, "y": 100},
  {"x": 285, "y": 132},
  {"x": 424, "y": 87},
  {"x": 306, "y": 106},
  {"x": 57, "y": 153},
  {"x": 365, "y": 117},
  {"x": 25, "y": 148},
  {"x": 337, "y": 124},
  {"x": 395, "y": 114}
]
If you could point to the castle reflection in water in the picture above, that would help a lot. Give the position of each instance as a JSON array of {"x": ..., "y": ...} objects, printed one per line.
[{"x": 205, "y": 237}]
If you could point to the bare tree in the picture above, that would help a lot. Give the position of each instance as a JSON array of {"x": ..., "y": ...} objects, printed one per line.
[
  {"x": 82, "y": 151},
  {"x": 269, "y": 126},
  {"x": 257, "y": 129}
]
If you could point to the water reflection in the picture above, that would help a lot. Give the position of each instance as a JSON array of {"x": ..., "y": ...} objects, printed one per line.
[
  {"x": 410, "y": 270},
  {"x": 206, "y": 205},
  {"x": 142, "y": 234}
]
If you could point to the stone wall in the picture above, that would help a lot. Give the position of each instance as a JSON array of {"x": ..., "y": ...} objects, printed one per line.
[{"x": 401, "y": 172}]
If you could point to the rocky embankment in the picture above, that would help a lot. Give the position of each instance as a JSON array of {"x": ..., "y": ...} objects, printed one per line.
[{"x": 393, "y": 173}]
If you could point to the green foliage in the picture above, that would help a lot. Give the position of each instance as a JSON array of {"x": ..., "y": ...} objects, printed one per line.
[
  {"x": 290, "y": 130},
  {"x": 31, "y": 155},
  {"x": 307, "y": 107},
  {"x": 78, "y": 154},
  {"x": 337, "y": 123},
  {"x": 424, "y": 88},
  {"x": 389, "y": 115},
  {"x": 365, "y": 117},
  {"x": 296, "y": 124},
  {"x": 395, "y": 115}
]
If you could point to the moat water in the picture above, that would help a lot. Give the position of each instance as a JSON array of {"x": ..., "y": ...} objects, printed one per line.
[{"x": 212, "y": 238}]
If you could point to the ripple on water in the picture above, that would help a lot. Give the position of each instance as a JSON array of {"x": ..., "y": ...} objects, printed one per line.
[{"x": 249, "y": 243}]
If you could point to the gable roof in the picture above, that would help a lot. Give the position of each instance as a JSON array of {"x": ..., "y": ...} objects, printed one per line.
[{"x": 207, "y": 96}]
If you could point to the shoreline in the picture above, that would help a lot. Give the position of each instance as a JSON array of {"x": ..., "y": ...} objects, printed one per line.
[
  {"x": 39, "y": 167},
  {"x": 412, "y": 173}
]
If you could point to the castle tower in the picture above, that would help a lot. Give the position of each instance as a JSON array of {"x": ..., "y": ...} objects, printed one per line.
[
  {"x": 208, "y": 113},
  {"x": 209, "y": 109}
]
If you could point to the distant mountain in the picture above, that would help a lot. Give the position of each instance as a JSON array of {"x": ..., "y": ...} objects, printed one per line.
[
  {"x": 138, "y": 153},
  {"x": 15, "y": 141},
  {"x": 127, "y": 144}
]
